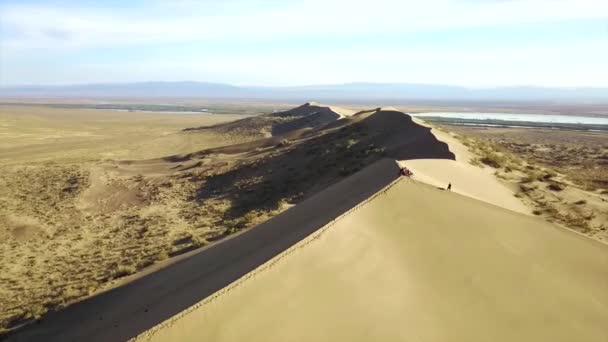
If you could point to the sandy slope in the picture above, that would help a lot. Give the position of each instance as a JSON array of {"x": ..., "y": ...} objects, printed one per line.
[
  {"x": 343, "y": 112},
  {"x": 416, "y": 264},
  {"x": 115, "y": 218},
  {"x": 306, "y": 116},
  {"x": 466, "y": 179}
]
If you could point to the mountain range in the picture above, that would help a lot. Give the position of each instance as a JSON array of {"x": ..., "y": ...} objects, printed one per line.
[{"x": 357, "y": 92}]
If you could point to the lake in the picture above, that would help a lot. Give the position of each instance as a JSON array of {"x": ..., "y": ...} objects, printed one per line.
[{"x": 518, "y": 120}]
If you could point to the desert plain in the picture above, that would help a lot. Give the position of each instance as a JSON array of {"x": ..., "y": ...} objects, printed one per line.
[{"x": 93, "y": 199}]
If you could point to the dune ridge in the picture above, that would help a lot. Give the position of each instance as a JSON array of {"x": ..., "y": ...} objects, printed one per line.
[
  {"x": 308, "y": 115},
  {"x": 141, "y": 212},
  {"x": 466, "y": 179},
  {"x": 124, "y": 312},
  {"x": 331, "y": 143},
  {"x": 266, "y": 266},
  {"x": 393, "y": 268}
]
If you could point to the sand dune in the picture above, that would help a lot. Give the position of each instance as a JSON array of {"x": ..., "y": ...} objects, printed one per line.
[
  {"x": 126, "y": 311},
  {"x": 415, "y": 264},
  {"x": 411, "y": 262},
  {"x": 466, "y": 179},
  {"x": 308, "y": 115},
  {"x": 343, "y": 112}
]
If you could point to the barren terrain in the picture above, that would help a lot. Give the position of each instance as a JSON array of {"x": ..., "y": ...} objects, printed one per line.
[
  {"x": 562, "y": 175},
  {"x": 73, "y": 228},
  {"x": 67, "y": 223},
  {"x": 414, "y": 263},
  {"x": 91, "y": 197}
]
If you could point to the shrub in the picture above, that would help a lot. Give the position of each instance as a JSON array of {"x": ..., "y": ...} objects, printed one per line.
[
  {"x": 580, "y": 202},
  {"x": 577, "y": 223},
  {"x": 589, "y": 216},
  {"x": 475, "y": 162},
  {"x": 35, "y": 311},
  {"x": 547, "y": 175},
  {"x": 123, "y": 270},
  {"x": 283, "y": 204},
  {"x": 250, "y": 217},
  {"x": 162, "y": 255},
  {"x": 527, "y": 187},
  {"x": 556, "y": 186},
  {"x": 527, "y": 179},
  {"x": 494, "y": 160},
  {"x": 350, "y": 143},
  {"x": 198, "y": 241},
  {"x": 284, "y": 143}
]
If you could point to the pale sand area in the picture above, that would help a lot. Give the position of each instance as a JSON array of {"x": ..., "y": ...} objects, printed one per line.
[
  {"x": 467, "y": 179},
  {"x": 415, "y": 264},
  {"x": 341, "y": 111}
]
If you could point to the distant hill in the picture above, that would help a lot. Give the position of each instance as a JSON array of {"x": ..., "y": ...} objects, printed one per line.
[
  {"x": 140, "y": 89},
  {"x": 358, "y": 92}
]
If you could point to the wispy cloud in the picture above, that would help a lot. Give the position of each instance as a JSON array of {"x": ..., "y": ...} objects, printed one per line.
[
  {"x": 548, "y": 65},
  {"x": 51, "y": 26},
  {"x": 305, "y": 41}
]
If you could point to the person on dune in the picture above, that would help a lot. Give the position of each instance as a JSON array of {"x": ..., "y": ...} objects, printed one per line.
[{"x": 404, "y": 171}]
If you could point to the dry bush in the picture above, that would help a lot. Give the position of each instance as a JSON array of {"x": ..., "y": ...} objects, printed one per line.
[
  {"x": 493, "y": 159},
  {"x": 123, "y": 270},
  {"x": 556, "y": 186},
  {"x": 350, "y": 143},
  {"x": 527, "y": 187},
  {"x": 528, "y": 179},
  {"x": 162, "y": 255},
  {"x": 547, "y": 175},
  {"x": 575, "y": 222},
  {"x": 198, "y": 241}
]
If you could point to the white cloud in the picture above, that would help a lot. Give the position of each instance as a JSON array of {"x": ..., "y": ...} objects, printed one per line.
[
  {"x": 63, "y": 33},
  {"x": 38, "y": 26},
  {"x": 550, "y": 65}
]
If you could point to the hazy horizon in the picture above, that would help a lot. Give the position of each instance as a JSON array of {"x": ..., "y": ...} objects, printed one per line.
[
  {"x": 304, "y": 85},
  {"x": 469, "y": 43}
]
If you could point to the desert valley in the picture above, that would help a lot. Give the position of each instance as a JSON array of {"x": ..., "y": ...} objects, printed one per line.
[{"x": 99, "y": 203}]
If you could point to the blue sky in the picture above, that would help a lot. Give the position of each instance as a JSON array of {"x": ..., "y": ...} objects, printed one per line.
[{"x": 474, "y": 43}]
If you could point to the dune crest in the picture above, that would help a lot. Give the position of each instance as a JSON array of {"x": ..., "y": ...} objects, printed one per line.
[
  {"x": 416, "y": 263},
  {"x": 308, "y": 115},
  {"x": 466, "y": 179}
]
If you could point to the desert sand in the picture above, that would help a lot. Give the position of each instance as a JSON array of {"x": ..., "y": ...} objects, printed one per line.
[
  {"x": 81, "y": 225},
  {"x": 57, "y": 189},
  {"x": 562, "y": 176},
  {"x": 128, "y": 310},
  {"x": 376, "y": 257},
  {"x": 42, "y": 133},
  {"x": 415, "y": 264},
  {"x": 466, "y": 179}
]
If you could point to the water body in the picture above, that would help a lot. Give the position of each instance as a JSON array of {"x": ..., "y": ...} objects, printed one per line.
[
  {"x": 518, "y": 120},
  {"x": 202, "y": 111}
]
